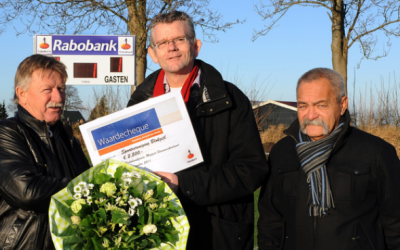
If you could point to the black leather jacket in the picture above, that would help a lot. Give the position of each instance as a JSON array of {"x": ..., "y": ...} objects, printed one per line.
[{"x": 33, "y": 167}]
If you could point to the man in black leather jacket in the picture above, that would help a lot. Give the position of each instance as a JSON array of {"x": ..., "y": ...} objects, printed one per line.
[
  {"x": 37, "y": 157},
  {"x": 332, "y": 186},
  {"x": 217, "y": 195}
]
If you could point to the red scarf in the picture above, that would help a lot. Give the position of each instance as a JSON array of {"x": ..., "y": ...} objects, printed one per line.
[{"x": 159, "y": 88}]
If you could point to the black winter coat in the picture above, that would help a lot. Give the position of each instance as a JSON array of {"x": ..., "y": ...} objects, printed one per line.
[
  {"x": 217, "y": 195},
  {"x": 32, "y": 169},
  {"x": 364, "y": 174}
]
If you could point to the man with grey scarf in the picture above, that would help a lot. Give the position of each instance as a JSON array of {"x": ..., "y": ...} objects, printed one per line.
[{"x": 332, "y": 186}]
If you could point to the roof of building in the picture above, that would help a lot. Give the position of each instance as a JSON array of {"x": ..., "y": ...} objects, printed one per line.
[
  {"x": 284, "y": 104},
  {"x": 72, "y": 116}
]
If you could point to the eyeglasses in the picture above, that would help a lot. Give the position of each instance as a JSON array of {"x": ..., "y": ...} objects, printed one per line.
[{"x": 176, "y": 41}]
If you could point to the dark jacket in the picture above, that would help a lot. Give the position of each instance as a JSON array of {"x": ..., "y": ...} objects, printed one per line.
[
  {"x": 364, "y": 174},
  {"x": 217, "y": 195},
  {"x": 32, "y": 169}
]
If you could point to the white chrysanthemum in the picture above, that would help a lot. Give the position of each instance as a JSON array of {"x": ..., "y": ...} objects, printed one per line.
[
  {"x": 136, "y": 175},
  {"x": 82, "y": 184},
  {"x": 126, "y": 175},
  {"x": 90, "y": 186},
  {"x": 89, "y": 200},
  {"x": 131, "y": 211},
  {"x": 77, "y": 189},
  {"x": 77, "y": 196},
  {"x": 85, "y": 192},
  {"x": 127, "y": 182},
  {"x": 133, "y": 203}
]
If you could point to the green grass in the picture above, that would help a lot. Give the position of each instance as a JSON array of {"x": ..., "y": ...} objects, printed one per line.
[{"x": 256, "y": 215}]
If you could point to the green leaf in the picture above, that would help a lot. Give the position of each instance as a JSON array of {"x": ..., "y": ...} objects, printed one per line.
[
  {"x": 85, "y": 223},
  {"x": 69, "y": 202},
  {"x": 141, "y": 215},
  {"x": 99, "y": 195},
  {"x": 119, "y": 216},
  {"x": 149, "y": 220},
  {"x": 103, "y": 214},
  {"x": 143, "y": 243},
  {"x": 161, "y": 188},
  {"x": 87, "y": 234},
  {"x": 118, "y": 172},
  {"x": 101, "y": 178},
  {"x": 97, "y": 241},
  {"x": 64, "y": 211},
  {"x": 152, "y": 200}
]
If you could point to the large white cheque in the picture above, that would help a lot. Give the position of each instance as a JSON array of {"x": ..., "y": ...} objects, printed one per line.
[{"x": 156, "y": 135}]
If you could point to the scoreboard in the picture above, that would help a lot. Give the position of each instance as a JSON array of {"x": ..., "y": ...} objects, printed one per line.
[{"x": 91, "y": 60}]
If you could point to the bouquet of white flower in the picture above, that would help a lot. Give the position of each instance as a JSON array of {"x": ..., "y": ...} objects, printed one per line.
[{"x": 117, "y": 206}]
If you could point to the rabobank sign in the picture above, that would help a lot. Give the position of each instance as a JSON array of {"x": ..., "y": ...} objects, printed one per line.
[{"x": 84, "y": 45}]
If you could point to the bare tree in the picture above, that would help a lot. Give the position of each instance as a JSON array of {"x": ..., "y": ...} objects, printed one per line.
[
  {"x": 352, "y": 21},
  {"x": 107, "y": 100},
  {"x": 72, "y": 100},
  {"x": 118, "y": 17}
]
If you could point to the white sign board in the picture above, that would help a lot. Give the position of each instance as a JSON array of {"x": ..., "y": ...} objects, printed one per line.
[
  {"x": 156, "y": 135},
  {"x": 91, "y": 60}
]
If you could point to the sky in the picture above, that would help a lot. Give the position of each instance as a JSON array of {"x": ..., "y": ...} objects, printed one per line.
[{"x": 271, "y": 64}]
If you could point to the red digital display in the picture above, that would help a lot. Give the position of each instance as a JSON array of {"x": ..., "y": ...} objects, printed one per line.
[
  {"x": 116, "y": 64},
  {"x": 85, "y": 70}
]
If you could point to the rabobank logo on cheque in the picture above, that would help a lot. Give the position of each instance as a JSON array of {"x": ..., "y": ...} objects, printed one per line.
[{"x": 85, "y": 45}]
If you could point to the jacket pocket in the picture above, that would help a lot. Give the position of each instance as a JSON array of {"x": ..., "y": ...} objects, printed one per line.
[
  {"x": 287, "y": 176},
  {"x": 350, "y": 181},
  {"x": 361, "y": 237}
]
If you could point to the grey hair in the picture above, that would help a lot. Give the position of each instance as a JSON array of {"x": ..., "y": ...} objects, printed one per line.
[
  {"x": 44, "y": 64},
  {"x": 171, "y": 17},
  {"x": 332, "y": 76}
]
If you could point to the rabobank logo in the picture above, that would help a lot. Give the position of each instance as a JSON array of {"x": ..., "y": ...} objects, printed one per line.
[
  {"x": 126, "y": 45},
  {"x": 190, "y": 157},
  {"x": 43, "y": 44}
]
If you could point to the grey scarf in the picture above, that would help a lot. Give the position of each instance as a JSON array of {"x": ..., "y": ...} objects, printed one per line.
[{"x": 313, "y": 156}]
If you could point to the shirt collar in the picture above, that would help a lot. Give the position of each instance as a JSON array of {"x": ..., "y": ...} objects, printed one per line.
[{"x": 196, "y": 82}]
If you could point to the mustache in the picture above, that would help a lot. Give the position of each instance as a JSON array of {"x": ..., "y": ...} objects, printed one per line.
[
  {"x": 54, "y": 105},
  {"x": 316, "y": 122}
]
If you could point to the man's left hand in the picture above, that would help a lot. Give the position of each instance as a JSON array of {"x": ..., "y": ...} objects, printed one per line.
[{"x": 169, "y": 178}]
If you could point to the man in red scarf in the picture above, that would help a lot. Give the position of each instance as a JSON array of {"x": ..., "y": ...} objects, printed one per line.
[{"x": 217, "y": 195}]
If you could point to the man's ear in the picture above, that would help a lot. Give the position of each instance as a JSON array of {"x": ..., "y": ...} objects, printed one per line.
[
  {"x": 343, "y": 104},
  {"x": 197, "y": 47},
  {"x": 152, "y": 54},
  {"x": 21, "y": 94}
]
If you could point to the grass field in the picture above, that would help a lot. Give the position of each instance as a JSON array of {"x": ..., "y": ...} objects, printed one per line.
[{"x": 256, "y": 215}]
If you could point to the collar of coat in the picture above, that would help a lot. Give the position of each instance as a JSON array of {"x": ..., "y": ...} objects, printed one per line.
[
  {"x": 293, "y": 131},
  {"x": 40, "y": 127},
  {"x": 211, "y": 81}
]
